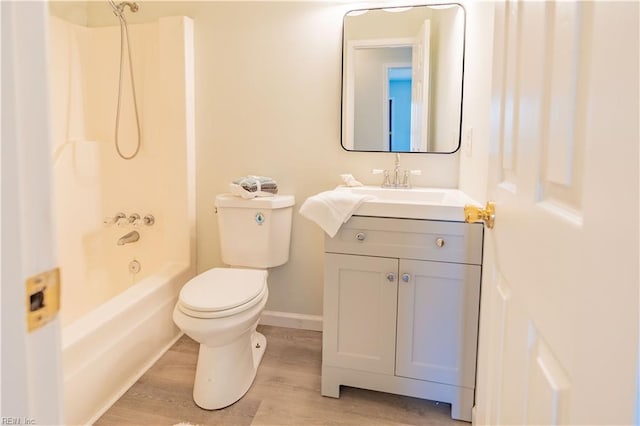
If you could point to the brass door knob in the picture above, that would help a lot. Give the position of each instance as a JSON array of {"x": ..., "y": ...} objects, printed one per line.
[{"x": 478, "y": 214}]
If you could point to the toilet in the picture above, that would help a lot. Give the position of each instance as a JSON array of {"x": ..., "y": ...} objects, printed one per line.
[{"x": 220, "y": 308}]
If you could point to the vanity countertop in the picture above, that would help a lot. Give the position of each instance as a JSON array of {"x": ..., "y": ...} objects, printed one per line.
[{"x": 411, "y": 203}]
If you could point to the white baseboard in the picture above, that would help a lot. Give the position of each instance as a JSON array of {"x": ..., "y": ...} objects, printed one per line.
[{"x": 286, "y": 319}]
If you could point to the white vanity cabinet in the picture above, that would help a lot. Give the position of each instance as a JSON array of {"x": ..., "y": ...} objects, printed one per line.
[{"x": 401, "y": 304}]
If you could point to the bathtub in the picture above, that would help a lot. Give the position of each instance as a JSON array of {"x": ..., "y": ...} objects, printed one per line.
[{"x": 108, "y": 349}]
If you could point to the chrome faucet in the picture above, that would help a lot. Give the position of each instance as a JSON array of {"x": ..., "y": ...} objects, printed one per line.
[
  {"x": 396, "y": 173},
  {"x": 400, "y": 178},
  {"x": 131, "y": 237}
]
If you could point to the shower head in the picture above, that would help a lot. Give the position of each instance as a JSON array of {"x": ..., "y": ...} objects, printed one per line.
[{"x": 118, "y": 8}]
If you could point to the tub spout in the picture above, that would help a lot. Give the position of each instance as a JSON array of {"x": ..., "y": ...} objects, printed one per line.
[{"x": 131, "y": 237}]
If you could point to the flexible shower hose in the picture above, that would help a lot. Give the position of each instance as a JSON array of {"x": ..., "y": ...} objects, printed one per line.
[{"x": 124, "y": 35}]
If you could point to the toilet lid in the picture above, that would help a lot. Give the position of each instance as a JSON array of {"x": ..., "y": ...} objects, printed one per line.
[{"x": 220, "y": 289}]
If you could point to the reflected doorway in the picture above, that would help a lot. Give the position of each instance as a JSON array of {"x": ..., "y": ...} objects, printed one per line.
[{"x": 399, "y": 113}]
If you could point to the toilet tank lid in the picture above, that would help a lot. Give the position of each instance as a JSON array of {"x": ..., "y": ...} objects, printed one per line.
[{"x": 275, "y": 202}]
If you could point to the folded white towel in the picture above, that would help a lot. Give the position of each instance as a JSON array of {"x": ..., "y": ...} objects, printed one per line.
[{"x": 330, "y": 209}]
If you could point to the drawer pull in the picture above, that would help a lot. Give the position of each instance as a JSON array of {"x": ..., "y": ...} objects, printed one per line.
[
  {"x": 391, "y": 277},
  {"x": 406, "y": 277},
  {"x": 440, "y": 242},
  {"x": 360, "y": 236}
]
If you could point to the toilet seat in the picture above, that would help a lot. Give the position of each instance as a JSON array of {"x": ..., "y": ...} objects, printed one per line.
[{"x": 221, "y": 292}]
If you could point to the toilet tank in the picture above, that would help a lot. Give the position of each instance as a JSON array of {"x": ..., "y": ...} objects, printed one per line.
[{"x": 254, "y": 233}]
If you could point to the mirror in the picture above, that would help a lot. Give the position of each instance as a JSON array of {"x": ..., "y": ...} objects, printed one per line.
[{"x": 402, "y": 70}]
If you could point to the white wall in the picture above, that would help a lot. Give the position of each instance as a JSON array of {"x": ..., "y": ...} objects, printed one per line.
[
  {"x": 70, "y": 11},
  {"x": 476, "y": 119},
  {"x": 268, "y": 102}
]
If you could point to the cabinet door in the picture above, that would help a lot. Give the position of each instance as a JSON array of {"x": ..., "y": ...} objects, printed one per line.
[
  {"x": 438, "y": 321},
  {"x": 360, "y": 312}
]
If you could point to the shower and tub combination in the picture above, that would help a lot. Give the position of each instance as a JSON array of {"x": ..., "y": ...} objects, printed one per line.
[{"x": 123, "y": 134}]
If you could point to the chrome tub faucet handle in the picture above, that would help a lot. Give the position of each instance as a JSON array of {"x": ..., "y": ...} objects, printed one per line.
[{"x": 115, "y": 219}]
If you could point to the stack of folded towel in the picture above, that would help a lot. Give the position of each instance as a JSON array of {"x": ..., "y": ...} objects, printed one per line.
[{"x": 254, "y": 186}]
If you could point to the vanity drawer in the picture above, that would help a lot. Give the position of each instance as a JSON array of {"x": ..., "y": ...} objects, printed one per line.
[{"x": 441, "y": 241}]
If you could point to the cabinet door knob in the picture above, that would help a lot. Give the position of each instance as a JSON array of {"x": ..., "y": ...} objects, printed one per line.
[
  {"x": 360, "y": 236},
  {"x": 406, "y": 277},
  {"x": 440, "y": 242},
  {"x": 391, "y": 277}
]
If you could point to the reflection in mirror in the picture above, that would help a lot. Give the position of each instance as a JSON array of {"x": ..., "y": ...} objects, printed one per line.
[{"x": 402, "y": 79}]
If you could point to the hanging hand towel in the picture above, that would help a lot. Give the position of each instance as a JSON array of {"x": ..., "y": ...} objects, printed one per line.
[{"x": 330, "y": 209}]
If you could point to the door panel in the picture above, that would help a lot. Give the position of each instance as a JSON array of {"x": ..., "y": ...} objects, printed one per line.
[
  {"x": 360, "y": 312},
  {"x": 438, "y": 321},
  {"x": 548, "y": 386}
]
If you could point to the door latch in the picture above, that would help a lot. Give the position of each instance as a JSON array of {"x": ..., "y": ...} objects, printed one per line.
[{"x": 43, "y": 298}]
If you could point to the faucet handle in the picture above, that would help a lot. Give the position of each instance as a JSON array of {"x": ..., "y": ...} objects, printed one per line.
[
  {"x": 133, "y": 219},
  {"x": 114, "y": 220},
  {"x": 149, "y": 220},
  {"x": 406, "y": 181}
]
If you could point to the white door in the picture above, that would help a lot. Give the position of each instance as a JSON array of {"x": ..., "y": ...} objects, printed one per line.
[
  {"x": 420, "y": 51},
  {"x": 31, "y": 362},
  {"x": 559, "y": 322}
]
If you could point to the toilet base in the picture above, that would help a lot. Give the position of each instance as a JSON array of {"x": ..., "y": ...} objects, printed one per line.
[
  {"x": 259, "y": 345},
  {"x": 225, "y": 373}
]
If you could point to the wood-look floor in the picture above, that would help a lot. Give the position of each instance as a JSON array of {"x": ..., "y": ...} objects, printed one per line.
[{"x": 286, "y": 391}]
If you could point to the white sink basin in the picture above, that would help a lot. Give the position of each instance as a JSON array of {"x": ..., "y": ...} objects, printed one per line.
[
  {"x": 411, "y": 203},
  {"x": 403, "y": 195}
]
